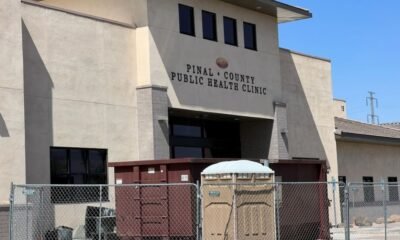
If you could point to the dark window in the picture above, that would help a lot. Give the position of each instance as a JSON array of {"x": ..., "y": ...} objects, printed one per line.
[
  {"x": 230, "y": 31},
  {"x": 369, "y": 194},
  {"x": 186, "y": 20},
  {"x": 342, "y": 185},
  {"x": 209, "y": 26},
  {"x": 199, "y": 138},
  {"x": 250, "y": 36},
  {"x": 183, "y": 152},
  {"x": 187, "y": 130},
  {"x": 393, "y": 189},
  {"x": 78, "y": 166}
]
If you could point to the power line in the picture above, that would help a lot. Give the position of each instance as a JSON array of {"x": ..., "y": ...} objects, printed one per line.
[{"x": 372, "y": 117}]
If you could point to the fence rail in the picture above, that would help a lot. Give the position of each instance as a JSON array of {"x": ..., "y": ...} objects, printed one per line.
[{"x": 278, "y": 211}]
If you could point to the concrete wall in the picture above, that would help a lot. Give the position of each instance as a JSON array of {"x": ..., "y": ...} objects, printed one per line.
[
  {"x": 12, "y": 131},
  {"x": 80, "y": 81},
  {"x": 131, "y": 12},
  {"x": 307, "y": 91},
  {"x": 169, "y": 51},
  {"x": 340, "y": 108},
  {"x": 356, "y": 160}
]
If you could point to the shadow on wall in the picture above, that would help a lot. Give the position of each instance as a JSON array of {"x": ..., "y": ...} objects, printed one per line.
[
  {"x": 3, "y": 128},
  {"x": 38, "y": 112},
  {"x": 38, "y": 122},
  {"x": 303, "y": 136}
]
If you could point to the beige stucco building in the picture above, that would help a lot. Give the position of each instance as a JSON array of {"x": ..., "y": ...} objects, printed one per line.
[
  {"x": 366, "y": 151},
  {"x": 367, "y": 156},
  {"x": 86, "y": 83}
]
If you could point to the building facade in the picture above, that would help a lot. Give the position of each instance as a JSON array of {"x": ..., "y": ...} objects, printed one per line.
[
  {"x": 367, "y": 153},
  {"x": 86, "y": 83}
]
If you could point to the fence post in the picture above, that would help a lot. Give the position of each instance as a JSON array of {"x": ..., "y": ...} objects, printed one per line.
[
  {"x": 100, "y": 211},
  {"x": 334, "y": 199},
  {"x": 347, "y": 203},
  {"x": 198, "y": 196},
  {"x": 277, "y": 207},
  {"x": 41, "y": 218},
  {"x": 27, "y": 215},
  {"x": 384, "y": 206},
  {"x": 11, "y": 214},
  {"x": 235, "y": 231}
]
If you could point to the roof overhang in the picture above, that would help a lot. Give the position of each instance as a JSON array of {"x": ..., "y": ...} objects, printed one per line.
[
  {"x": 283, "y": 12},
  {"x": 360, "y": 138}
]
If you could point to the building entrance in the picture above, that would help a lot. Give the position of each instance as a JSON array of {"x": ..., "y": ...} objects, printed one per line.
[{"x": 204, "y": 136}]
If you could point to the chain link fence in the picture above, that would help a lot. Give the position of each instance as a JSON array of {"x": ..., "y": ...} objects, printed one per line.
[
  {"x": 374, "y": 211},
  {"x": 278, "y": 211},
  {"x": 105, "y": 212}
]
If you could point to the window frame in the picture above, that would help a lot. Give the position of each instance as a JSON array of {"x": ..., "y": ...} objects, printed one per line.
[
  {"x": 214, "y": 25},
  {"x": 235, "y": 33},
  {"x": 254, "y": 37},
  {"x": 192, "y": 31}
]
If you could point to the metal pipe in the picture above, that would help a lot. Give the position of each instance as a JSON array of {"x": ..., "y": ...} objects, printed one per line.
[
  {"x": 101, "y": 205},
  {"x": 11, "y": 212},
  {"x": 198, "y": 210},
  {"x": 334, "y": 200},
  {"x": 346, "y": 199},
  {"x": 277, "y": 203},
  {"x": 384, "y": 207}
]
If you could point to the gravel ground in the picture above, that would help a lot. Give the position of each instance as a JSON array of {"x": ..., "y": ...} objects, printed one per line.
[{"x": 376, "y": 232}]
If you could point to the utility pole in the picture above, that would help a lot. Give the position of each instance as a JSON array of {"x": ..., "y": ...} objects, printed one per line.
[{"x": 372, "y": 117}]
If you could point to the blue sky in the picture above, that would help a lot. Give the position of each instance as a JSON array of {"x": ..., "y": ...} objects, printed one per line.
[{"x": 362, "y": 38}]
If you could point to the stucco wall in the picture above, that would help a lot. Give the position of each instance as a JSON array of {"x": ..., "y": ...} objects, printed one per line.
[
  {"x": 12, "y": 134},
  {"x": 340, "y": 108},
  {"x": 170, "y": 51},
  {"x": 80, "y": 81},
  {"x": 356, "y": 160},
  {"x": 131, "y": 12},
  {"x": 307, "y": 91}
]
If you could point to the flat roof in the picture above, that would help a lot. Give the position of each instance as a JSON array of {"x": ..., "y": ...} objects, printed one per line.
[
  {"x": 305, "y": 54},
  {"x": 350, "y": 130},
  {"x": 282, "y": 11}
]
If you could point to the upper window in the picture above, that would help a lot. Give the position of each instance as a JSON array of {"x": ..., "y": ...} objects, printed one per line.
[
  {"x": 187, "y": 130},
  {"x": 78, "y": 166},
  {"x": 230, "y": 31},
  {"x": 209, "y": 26},
  {"x": 250, "y": 36},
  {"x": 186, "y": 20}
]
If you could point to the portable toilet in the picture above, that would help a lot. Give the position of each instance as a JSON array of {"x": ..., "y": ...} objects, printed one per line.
[{"x": 238, "y": 201}]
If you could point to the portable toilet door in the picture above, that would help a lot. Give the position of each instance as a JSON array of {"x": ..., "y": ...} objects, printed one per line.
[{"x": 238, "y": 201}]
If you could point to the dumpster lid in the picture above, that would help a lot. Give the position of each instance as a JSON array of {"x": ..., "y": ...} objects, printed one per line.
[{"x": 240, "y": 166}]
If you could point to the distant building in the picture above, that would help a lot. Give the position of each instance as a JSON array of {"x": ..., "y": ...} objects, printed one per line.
[
  {"x": 340, "y": 108},
  {"x": 367, "y": 152}
]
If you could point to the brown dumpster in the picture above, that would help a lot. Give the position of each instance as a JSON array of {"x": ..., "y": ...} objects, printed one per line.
[{"x": 151, "y": 210}]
